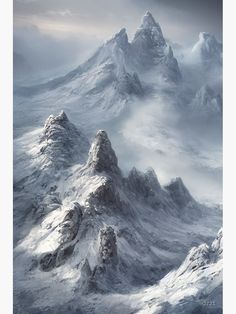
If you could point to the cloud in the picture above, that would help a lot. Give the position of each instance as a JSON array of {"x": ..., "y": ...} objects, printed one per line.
[
  {"x": 45, "y": 55},
  {"x": 181, "y": 20},
  {"x": 66, "y": 12}
]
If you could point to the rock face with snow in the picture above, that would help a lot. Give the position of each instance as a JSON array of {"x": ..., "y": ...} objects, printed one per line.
[
  {"x": 208, "y": 50},
  {"x": 107, "y": 232},
  {"x": 207, "y": 104},
  {"x": 102, "y": 157},
  {"x": 151, "y": 50},
  {"x": 195, "y": 287},
  {"x": 179, "y": 193},
  {"x": 61, "y": 143},
  {"x": 108, "y": 246},
  {"x": 114, "y": 76}
]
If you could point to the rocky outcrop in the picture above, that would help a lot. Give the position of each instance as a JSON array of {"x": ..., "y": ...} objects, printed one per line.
[
  {"x": 61, "y": 143},
  {"x": 179, "y": 193},
  {"x": 206, "y": 103},
  {"x": 102, "y": 157},
  {"x": 108, "y": 246},
  {"x": 67, "y": 231},
  {"x": 143, "y": 184},
  {"x": 208, "y": 50},
  {"x": 150, "y": 49},
  {"x": 106, "y": 197},
  {"x": 69, "y": 227}
]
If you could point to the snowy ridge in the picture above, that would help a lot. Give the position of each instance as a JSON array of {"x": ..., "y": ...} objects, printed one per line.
[
  {"x": 61, "y": 142},
  {"x": 108, "y": 232},
  {"x": 113, "y": 77},
  {"x": 152, "y": 50},
  {"x": 92, "y": 236},
  {"x": 195, "y": 287}
]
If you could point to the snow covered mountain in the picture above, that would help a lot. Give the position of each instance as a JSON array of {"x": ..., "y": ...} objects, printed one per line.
[
  {"x": 118, "y": 73},
  {"x": 92, "y": 230},
  {"x": 208, "y": 50},
  {"x": 206, "y": 103},
  {"x": 194, "y": 287},
  {"x": 151, "y": 51}
]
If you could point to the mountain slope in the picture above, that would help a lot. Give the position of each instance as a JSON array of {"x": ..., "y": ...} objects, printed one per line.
[
  {"x": 151, "y": 51},
  {"x": 106, "y": 233},
  {"x": 99, "y": 90},
  {"x": 208, "y": 50},
  {"x": 206, "y": 103}
]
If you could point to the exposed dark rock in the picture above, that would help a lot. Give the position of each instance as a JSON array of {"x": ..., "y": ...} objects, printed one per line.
[
  {"x": 179, "y": 193},
  {"x": 71, "y": 223},
  {"x": 106, "y": 196},
  {"x": 62, "y": 144},
  {"x": 108, "y": 246},
  {"x": 102, "y": 157},
  {"x": 143, "y": 184},
  {"x": 48, "y": 261},
  {"x": 68, "y": 229},
  {"x": 150, "y": 49}
]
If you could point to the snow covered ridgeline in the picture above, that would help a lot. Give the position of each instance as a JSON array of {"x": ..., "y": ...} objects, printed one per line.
[
  {"x": 108, "y": 232},
  {"x": 119, "y": 63},
  {"x": 194, "y": 287}
]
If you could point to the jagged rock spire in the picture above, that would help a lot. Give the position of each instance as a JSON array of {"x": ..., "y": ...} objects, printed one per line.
[
  {"x": 179, "y": 192},
  {"x": 61, "y": 143},
  {"x": 149, "y": 32},
  {"x": 108, "y": 246},
  {"x": 143, "y": 184},
  {"x": 102, "y": 157}
]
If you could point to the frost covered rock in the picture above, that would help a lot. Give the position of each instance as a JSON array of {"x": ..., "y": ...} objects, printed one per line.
[
  {"x": 143, "y": 184},
  {"x": 129, "y": 83},
  {"x": 102, "y": 157},
  {"x": 203, "y": 255},
  {"x": 206, "y": 102},
  {"x": 61, "y": 143},
  {"x": 65, "y": 233},
  {"x": 108, "y": 246},
  {"x": 217, "y": 244},
  {"x": 179, "y": 193},
  {"x": 106, "y": 197},
  {"x": 71, "y": 223},
  {"x": 208, "y": 50},
  {"x": 150, "y": 49}
]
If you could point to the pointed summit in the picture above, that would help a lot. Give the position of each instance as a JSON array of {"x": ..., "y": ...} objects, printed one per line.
[
  {"x": 148, "y": 21},
  {"x": 102, "y": 157},
  {"x": 151, "y": 51},
  {"x": 206, "y": 102},
  {"x": 60, "y": 119},
  {"x": 120, "y": 39},
  {"x": 149, "y": 32},
  {"x": 179, "y": 192},
  {"x": 208, "y": 50},
  {"x": 61, "y": 143}
]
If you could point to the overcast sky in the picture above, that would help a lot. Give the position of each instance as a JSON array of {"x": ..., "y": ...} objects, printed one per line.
[{"x": 76, "y": 27}]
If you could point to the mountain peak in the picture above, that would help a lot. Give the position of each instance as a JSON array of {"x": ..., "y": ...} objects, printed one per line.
[
  {"x": 150, "y": 31},
  {"x": 207, "y": 101},
  {"x": 61, "y": 142},
  {"x": 208, "y": 49},
  {"x": 120, "y": 38},
  {"x": 206, "y": 36},
  {"x": 102, "y": 157},
  {"x": 61, "y": 118},
  {"x": 179, "y": 192},
  {"x": 148, "y": 20}
]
